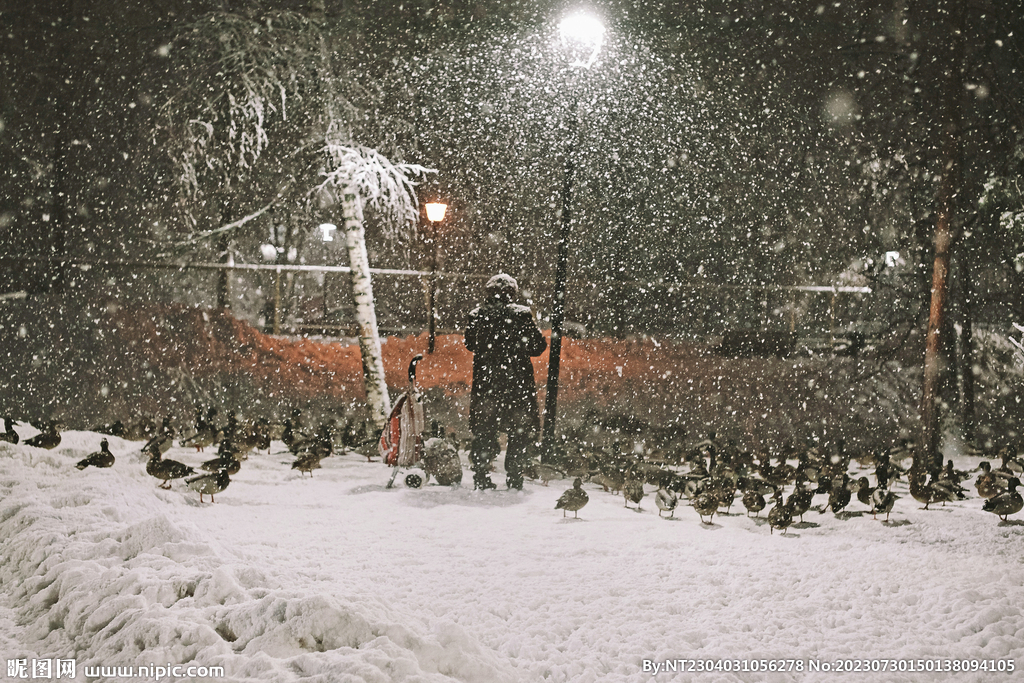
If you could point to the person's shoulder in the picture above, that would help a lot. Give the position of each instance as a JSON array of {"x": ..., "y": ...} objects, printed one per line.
[{"x": 519, "y": 309}]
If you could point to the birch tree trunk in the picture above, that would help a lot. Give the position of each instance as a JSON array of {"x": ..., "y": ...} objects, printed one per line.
[{"x": 362, "y": 293}]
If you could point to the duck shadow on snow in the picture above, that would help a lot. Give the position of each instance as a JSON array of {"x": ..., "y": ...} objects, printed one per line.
[
  {"x": 896, "y": 522},
  {"x": 1012, "y": 522},
  {"x": 454, "y": 495},
  {"x": 570, "y": 520},
  {"x": 805, "y": 525}
]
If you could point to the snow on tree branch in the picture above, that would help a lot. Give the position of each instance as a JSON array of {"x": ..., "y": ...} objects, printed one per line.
[{"x": 387, "y": 187}]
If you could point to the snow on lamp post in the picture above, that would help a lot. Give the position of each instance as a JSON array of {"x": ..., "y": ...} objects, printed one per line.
[
  {"x": 581, "y": 36},
  {"x": 435, "y": 214}
]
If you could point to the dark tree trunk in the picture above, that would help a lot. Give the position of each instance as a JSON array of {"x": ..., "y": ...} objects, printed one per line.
[
  {"x": 966, "y": 348},
  {"x": 928, "y": 457}
]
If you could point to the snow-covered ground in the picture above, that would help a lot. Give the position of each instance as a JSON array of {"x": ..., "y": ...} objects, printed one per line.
[{"x": 335, "y": 578}]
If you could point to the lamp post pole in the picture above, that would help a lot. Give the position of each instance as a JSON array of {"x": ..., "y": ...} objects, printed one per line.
[
  {"x": 561, "y": 269},
  {"x": 435, "y": 214},
  {"x": 582, "y": 36}
]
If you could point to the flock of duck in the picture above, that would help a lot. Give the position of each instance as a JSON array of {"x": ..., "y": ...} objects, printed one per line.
[
  {"x": 234, "y": 439},
  {"x": 712, "y": 476}
]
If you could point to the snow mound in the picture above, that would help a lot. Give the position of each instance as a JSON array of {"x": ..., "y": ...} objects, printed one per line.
[{"x": 98, "y": 568}]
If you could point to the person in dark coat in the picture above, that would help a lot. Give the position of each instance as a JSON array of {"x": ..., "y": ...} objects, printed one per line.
[{"x": 502, "y": 336}]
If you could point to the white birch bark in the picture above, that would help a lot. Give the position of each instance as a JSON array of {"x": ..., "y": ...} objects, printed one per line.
[{"x": 362, "y": 292}]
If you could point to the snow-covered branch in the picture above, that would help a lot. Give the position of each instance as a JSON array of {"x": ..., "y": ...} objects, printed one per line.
[{"x": 387, "y": 187}]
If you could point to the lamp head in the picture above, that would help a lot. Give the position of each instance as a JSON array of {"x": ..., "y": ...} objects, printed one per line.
[
  {"x": 582, "y": 34},
  {"x": 436, "y": 211}
]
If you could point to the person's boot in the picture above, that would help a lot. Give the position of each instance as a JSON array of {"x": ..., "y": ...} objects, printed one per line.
[
  {"x": 483, "y": 482},
  {"x": 514, "y": 483}
]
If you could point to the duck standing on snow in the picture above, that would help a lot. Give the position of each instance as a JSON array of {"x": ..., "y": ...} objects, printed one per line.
[
  {"x": 666, "y": 501},
  {"x": 1009, "y": 502},
  {"x": 937, "y": 491},
  {"x": 753, "y": 500},
  {"x": 10, "y": 436},
  {"x": 49, "y": 438},
  {"x": 166, "y": 470},
  {"x": 987, "y": 483},
  {"x": 882, "y": 500},
  {"x": 839, "y": 496},
  {"x": 800, "y": 500},
  {"x": 864, "y": 491},
  {"x": 211, "y": 483},
  {"x": 633, "y": 490},
  {"x": 780, "y": 516},
  {"x": 101, "y": 458},
  {"x": 573, "y": 499},
  {"x": 162, "y": 440},
  {"x": 706, "y": 503}
]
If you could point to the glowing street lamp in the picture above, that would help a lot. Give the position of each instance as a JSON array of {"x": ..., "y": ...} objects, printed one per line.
[
  {"x": 435, "y": 214},
  {"x": 325, "y": 230},
  {"x": 581, "y": 38},
  {"x": 581, "y": 35},
  {"x": 436, "y": 211}
]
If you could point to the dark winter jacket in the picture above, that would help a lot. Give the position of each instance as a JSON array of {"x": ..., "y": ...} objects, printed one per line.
[{"x": 503, "y": 337}]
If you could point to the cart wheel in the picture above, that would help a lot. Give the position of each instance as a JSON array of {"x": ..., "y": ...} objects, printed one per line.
[{"x": 414, "y": 481}]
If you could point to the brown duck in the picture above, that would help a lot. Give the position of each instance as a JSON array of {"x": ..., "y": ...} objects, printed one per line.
[
  {"x": 101, "y": 458},
  {"x": 166, "y": 470},
  {"x": 49, "y": 438}
]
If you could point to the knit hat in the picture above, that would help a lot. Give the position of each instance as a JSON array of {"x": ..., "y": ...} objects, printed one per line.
[{"x": 503, "y": 284}]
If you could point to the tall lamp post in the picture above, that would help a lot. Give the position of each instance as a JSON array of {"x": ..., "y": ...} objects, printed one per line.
[
  {"x": 435, "y": 214},
  {"x": 581, "y": 37}
]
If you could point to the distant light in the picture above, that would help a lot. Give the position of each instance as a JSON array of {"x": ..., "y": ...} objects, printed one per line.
[
  {"x": 293, "y": 253},
  {"x": 582, "y": 32},
  {"x": 436, "y": 211},
  {"x": 326, "y": 228},
  {"x": 892, "y": 258},
  {"x": 269, "y": 251}
]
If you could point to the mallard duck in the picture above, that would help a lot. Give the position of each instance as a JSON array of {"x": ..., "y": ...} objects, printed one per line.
[
  {"x": 780, "y": 516},
  {"x": 307, "y": 462},
  {"x": 227, "y": 459},
  {"x": 162, "y": 440},
  {"x": 724, "y": 489},
  {"x": 49, "y": 438},
  {"x": 864, "y": 491},
  {"x": 753, "y": 501},
  {"x": 987, "y": 483},
  {"x": 666, "y": 501},
  {"x": 882, "y": 501},
  {"x": 206, "y": 435},
  {"x": 839, "y": 496},
  {"x": 212, "y": 483},
  {"x": 293, "y": 434},
  {"x": 953, "y": 475},
  {"x": 1011, "y": 464},
  {"x": 10, "y": 436},
  {"x": 933, "y": 492},
  {"x": 1007, "y": 503},
  {"x": 321, "y": 445},
  {"x": 166, "y": 470},
  {"x": 633, "y": 490},
  {"x": 101, "y": 458},
  {"x": 706, "y": 504},
  {"x": 573, "y": 499},
  {"x": 781, "y": 474},
  {"x": 609, "y": 479},
  {"x": 800, "y": 500}
]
